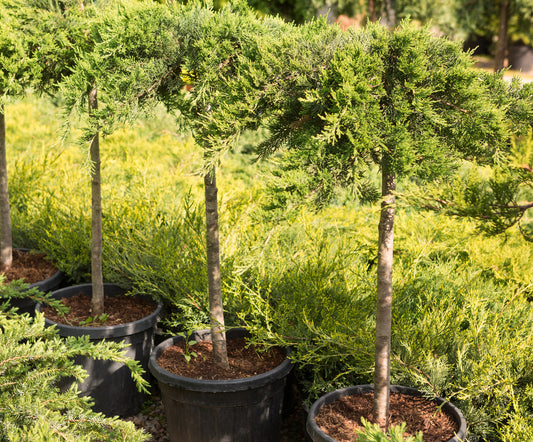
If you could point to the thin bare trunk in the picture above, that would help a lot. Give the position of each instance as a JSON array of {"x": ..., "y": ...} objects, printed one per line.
[
  {"x": 6, "y": 244},
  {"x": 389, "y": 14},
  {"x": 372, "y": 10},
  {"x": 384, "y": 301},
  {"x": 97, "y": 279},
  {"x": 216, "y": 310},
  {"x": 501, "y": 46}
]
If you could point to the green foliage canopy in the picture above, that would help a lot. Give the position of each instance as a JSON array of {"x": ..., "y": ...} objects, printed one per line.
[
  {"x": 134, "y": 52},
  {"x": 31, "y": 55},
  {"x": 406, "y": 94}
]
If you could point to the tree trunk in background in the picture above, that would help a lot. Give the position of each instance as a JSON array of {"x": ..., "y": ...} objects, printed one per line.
[
  {"x": 389, "y": 14},
  {"x": 372, "y": 10},
  {"x": 97, "y": 279},
  {"x": 6, "y": 240},
  {"x": 216, "y": 309},
  {"x": 501, "y": 46},
  {"x": 384, "y": 300}
]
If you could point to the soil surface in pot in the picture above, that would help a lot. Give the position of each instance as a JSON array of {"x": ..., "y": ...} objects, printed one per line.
[
  {"x": 118, "y": 309},
  {"x": 29, "y": 266},
  {"x": 342, "y": 417},
  {"x": 245, "y": 361}
]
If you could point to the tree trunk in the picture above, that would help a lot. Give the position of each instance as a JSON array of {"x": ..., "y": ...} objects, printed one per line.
[
  {"x": 6, "y": 240},
  {"x": 501, "y": 46},
  {"x": 97, "y": 279},
  {"x": 372, "y": 10},
  {"x": 389, "y": 14},
  {"x": 216, "y": 309},
  {"x": 384, "y": 300}
]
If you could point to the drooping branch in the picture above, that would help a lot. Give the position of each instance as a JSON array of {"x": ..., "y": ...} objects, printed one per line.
[{"x": 154, "y": 86}]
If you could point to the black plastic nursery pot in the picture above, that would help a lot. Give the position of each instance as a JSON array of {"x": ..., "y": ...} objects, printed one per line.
[
  {"x": 237, "y": 410},
  {"x": 521, "y": 57},
  {"x": 110, "y": 383},
  {"x": 317, "y": 435},
  {"x": 27, "y": 305}
]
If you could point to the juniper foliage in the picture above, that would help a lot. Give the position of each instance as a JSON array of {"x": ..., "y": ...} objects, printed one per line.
[
  {"x": 497, "y": 197},
  {"x": 372, "y": 433},
  {"x": 406, "y": 101},
  {"x": 20, "y": 290},
  {"x": 33, "y": 359}
]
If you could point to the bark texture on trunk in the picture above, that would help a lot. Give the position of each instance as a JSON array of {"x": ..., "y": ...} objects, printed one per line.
[
  {"x": 384, "y": 301},
  {"x": 501, "y": 46},
  {"x": 6, "y": 240},
  {"x": 216, "y": 309},
  {"x": 97, "y": 279}
]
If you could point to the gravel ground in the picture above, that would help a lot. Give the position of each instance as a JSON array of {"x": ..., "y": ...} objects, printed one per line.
[{"x": 152, "y": 419}]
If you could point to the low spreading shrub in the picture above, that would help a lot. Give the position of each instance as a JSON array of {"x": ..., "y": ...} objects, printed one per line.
[
  {"x": 462, "y": 307},
  {"x": 33, "y": 361},
  {"x": 462, "y": 312}
]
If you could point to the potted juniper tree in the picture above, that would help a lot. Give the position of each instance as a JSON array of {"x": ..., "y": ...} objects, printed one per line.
[
  {"x": 106, "y": 313},
  {"x": 19, "y": 70},
  {"x": 225, "y": 61},
  {"x": 410, "y": 103}
]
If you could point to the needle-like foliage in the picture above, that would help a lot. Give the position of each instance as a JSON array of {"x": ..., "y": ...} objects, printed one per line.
[
  {"x": 411, "y": 104},
  {"x": 33, "y": 359}
]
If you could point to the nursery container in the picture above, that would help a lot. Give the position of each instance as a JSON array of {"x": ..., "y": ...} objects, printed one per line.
[
  {"x": 237, "y": 410},
  {"x": 317, "y": 435},
  {"x": 110, "y": 383},
  {"x": 27, "y": 305}
]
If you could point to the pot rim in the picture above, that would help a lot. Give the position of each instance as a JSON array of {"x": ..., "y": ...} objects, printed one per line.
[
  {"x": 214, "y": 386},
  {"x": 108, "y": 331},
  {"x": 57, "y": 276},
  {"x": 447, "y": 407}
]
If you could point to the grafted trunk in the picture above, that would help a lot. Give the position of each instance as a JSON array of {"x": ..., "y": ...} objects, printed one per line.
[
  {"x": 384, "y": 301},
  {"x": 501, "y": 46},
  {"x": 216, "y": 310},
  {"x": 97, "y": 279},
  {"x": 6, "y": 240}
]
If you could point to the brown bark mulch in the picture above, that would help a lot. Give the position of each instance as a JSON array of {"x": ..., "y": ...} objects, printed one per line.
[
  {"x": 119, "y": 309},
  {"x": 30, "y": 266},
  {"x": 342, "y": 418},
  {"x": 244, "y": 361}
]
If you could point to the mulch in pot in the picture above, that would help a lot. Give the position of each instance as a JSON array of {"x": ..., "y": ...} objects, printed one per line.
[
  {"x": 29, "y": 266},
  {"x": 245, "y": 361},
  {"x": 341, "y": 418},
  {"x": 119, "y": 309}
]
